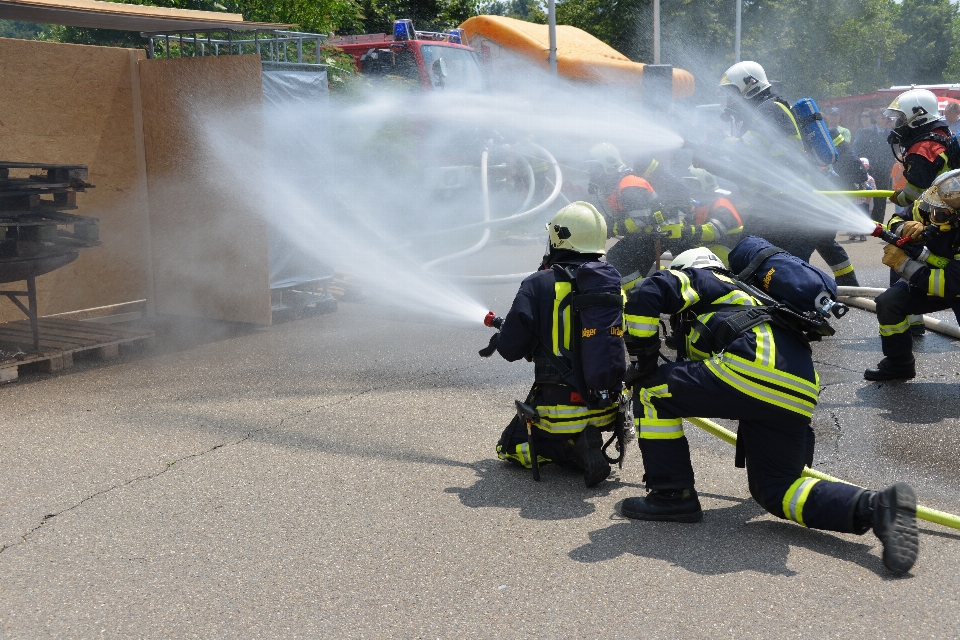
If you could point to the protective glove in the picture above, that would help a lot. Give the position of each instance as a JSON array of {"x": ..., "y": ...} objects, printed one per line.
[
  {"x": 488, "y": 350},
  {"x": 895, "y": 198},
  {"x": 911, "y": 229},
  {"x": 630, "y": 225},
  {"x": 894, "y": 257}
]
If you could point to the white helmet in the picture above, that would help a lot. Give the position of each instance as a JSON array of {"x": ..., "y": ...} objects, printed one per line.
[
  {"x": 913, "y": 109},
  {"x": 747, "y": 77},
  {"x": 608, "y": 157},
  {"x": 944, "y": 193},
  {"x": 697, "y": 258},
  {"x": 706, "y": 181},
  {"x": 578, "y": 227}
]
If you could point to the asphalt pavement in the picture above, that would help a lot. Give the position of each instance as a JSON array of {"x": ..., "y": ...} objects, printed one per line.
[{"x": 335, "y": 477}]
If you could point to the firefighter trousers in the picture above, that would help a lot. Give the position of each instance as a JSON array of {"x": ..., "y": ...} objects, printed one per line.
[
  {"x": 895, "y": 306},
  {"x": 775, "y": 443},
  {"x": 563, "y": 417}
]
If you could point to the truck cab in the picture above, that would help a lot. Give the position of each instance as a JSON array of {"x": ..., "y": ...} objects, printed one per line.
[{"x": 429, "y": 60}]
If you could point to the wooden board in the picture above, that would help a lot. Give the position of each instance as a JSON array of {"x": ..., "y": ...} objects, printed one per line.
[
  {"x": 60, "y": 340},
  {"x": 209, "y": 246},
  {"x": 73, "y": 104}
]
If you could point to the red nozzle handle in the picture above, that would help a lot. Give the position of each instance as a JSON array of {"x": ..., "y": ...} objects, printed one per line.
[
  {"x": 877, "y": 231},
  {"x": 488, "y": 319}
]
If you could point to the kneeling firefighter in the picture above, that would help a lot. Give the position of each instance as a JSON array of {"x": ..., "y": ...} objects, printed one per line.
[
  {"x": 568, "y": 318},
  {"x": 749, "y": 362},
  {"x": 928, "y": 282}
]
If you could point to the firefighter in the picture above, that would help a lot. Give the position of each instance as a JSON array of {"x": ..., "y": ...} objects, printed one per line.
[
  {"x": 921, "y": 140},
  {"x": 765, "y": 378},
  {"x": 632, "y": 207},
  {"x": 716, "y": 224},
  {"x": 568, "y": 432},
  {"x": 767, "y": 150},
  {"x": 922, "y": 288}
]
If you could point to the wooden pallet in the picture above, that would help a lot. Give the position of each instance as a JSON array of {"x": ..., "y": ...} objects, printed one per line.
[{"x": 60, "y": 339}]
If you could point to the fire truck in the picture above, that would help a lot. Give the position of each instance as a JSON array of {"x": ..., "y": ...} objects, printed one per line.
[{"x": 434, "y": 61}]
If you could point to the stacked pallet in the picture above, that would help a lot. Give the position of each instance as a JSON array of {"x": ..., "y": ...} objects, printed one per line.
[{"x": 33, "y": 200}]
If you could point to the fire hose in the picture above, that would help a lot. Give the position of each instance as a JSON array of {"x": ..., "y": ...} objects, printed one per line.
[
  {"x": 857, "y": 297},
  {"x": 924, "y": 513}
]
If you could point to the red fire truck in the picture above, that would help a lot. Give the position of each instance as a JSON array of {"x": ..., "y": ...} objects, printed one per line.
[{"x": 433, "y": 60}]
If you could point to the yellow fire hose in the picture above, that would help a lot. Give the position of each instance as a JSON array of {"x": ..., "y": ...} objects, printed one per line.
[
  {"x": 865, "y": 193},
  {"x": 924, "y": 513}
]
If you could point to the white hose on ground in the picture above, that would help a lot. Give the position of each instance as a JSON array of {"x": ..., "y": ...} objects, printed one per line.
[
  {"x": 855, "y": 297},
  {"x": 558, "y": 183},
  {"x": 485, "y": 191}
]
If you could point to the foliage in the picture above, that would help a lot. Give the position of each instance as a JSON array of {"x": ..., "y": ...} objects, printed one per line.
[{"x": 928, "y": 26}]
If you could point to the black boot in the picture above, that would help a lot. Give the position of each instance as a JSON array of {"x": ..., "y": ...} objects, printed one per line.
[
  {"x": 890, "y": 368},
  {"x": 589, "y": 457},
  {"x": 670, "y": 505},
  {"x": 895, "y": 523}
]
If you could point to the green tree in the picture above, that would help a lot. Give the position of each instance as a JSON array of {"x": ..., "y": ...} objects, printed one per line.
[{"x": 928, "y": 26}]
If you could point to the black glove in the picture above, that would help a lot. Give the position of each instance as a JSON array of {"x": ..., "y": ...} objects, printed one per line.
[
  {"x": 645, "y": 369},
  {"x": 488, "y": 350}
]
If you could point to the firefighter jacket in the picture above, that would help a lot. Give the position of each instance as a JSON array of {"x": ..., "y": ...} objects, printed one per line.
[
  {"x": 632, "y": 204},
  {"x": 923, "y": 161},
  {"x": 944, "y": 242},
  {"x": 539, "y": 324},
  {"x": 769, "y": 363},
  {"x": 719, "y": 222}
]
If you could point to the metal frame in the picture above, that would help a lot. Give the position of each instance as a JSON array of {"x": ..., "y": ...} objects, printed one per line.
[{"x": 273, "y": 45}]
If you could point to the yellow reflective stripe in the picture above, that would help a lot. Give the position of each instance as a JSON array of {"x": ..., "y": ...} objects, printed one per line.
[
  {"x": 937, "y": 283},
  {"x": 838, "y": 139},
  {"x": 734, "y": 231},
  {"x": 760, "y": 392},
  {"x": 912, "y": 192},
  {"x": 841, "y": 268},
  {"x": 893, "y": 329},
  {"x": 796, "y": 127},
  {"x": 796, "y": 497},
  {"x": 772, "y": 375},
  {"x": 561, "y": 290},
  {"x": 664, "y": 429},
  {"x": 735, "y": 297},
  {"x": 651, "y": 426},
  {"x": 687, "y": 292},
  {"x": 567, "y": 328},
  {"x": 651, "y": 168},
  {"x": 641, "y": 326},
  {"x": 573, "y": 419},
  {"x": 766, "y": 347}
]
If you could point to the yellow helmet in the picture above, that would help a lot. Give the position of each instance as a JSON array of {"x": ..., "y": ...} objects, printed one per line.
[{"x": 578, "y": 227}]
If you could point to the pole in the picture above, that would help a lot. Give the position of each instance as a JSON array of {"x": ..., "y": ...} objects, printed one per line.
[
  {"x": 552, "y": 22},
  {"x": 924, "y": 513},
  {"x": 656, "y": 31},
  {"x": 736, "y": 45}
]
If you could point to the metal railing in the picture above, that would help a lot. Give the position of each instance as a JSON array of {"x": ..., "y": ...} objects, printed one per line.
[{"x": 270, "y": 45}]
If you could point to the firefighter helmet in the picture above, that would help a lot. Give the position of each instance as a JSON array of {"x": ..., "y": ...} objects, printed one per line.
[
  {"x": 607, "y": 157},
  {"x": 697, "y": 258},
  {"x": 912, "y": 109},
  {"x": 706, "y": 180},
  {"x": 578, "y": 227},
  {"x": 748, "y": 78},
  {"x": 943, "y": 196}
]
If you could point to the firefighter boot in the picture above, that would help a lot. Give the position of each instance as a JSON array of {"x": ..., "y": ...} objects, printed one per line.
[
  {"x": 893, "y": 368},
  {"x": 895, "y": 523},
  {"x": 670, "y": 505},
  {"x": 588, "y": 455}
]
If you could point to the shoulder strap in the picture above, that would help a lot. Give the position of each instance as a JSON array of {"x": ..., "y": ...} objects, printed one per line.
[{"x": 751, "y": 268}]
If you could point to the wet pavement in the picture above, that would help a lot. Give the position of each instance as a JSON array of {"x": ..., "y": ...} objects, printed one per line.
[{"x": 335, "y": 477}]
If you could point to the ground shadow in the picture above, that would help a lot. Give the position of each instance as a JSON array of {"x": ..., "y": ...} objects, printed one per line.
[
  {"x": 726, "y": 541},
  {"x": 560, "y": 494},
  {"x": 920, "y": 403}
]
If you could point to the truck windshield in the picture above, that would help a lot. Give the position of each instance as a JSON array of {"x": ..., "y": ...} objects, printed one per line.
[{"x": 452, "y": 68}]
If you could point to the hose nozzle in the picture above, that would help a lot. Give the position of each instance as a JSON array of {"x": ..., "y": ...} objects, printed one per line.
[
  {"x": 493, "y": 320},
  {"x": 877, "y": 230}
]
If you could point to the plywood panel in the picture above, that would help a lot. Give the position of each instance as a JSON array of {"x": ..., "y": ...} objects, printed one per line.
[
  {"x": 209, "y": 247},
  {"x": 63, "y": 103}
]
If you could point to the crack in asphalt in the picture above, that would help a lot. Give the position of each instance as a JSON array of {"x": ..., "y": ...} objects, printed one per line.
[{"x": 170, "y": 465}]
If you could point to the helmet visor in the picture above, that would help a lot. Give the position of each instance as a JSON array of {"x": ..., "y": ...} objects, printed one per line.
[{"x": 899, "y": 117}]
